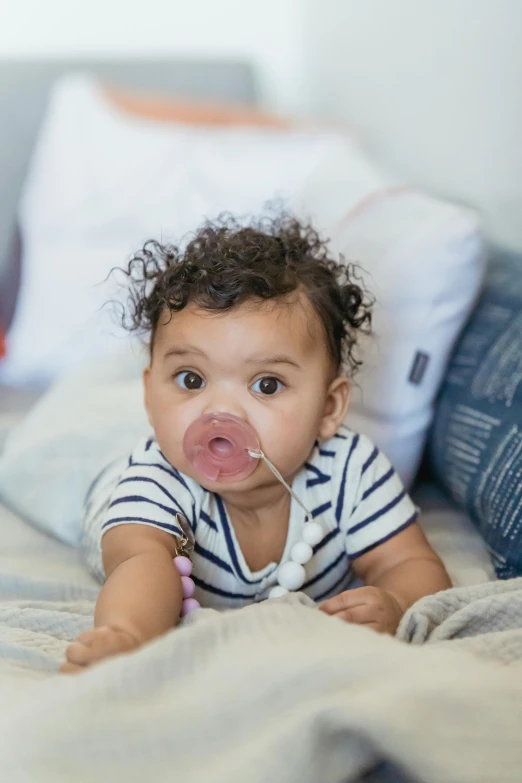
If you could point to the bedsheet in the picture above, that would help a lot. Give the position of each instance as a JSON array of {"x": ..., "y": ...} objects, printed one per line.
[{"x": 14, "y": 404}]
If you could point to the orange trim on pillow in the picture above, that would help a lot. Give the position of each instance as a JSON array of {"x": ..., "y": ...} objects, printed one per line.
[{"x": 158, "y": 107}]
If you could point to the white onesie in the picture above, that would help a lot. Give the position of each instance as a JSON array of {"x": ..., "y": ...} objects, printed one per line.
[{"x": 347, "y": 484}]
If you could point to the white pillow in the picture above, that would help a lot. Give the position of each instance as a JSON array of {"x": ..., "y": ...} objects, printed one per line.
[
  {"x": 427, "y": 261},
  {"x": 424, "y": 261},
  {"x": 88, "y": 419},
  {"x": 101, "y": 183}
]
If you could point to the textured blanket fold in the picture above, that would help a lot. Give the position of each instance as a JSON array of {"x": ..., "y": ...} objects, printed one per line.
[{"x": 274, "y": 693}]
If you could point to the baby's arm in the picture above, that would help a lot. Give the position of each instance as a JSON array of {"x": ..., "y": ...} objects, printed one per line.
[
  {"x": 140, "y": 600},
  {"x": 396, "y": 574},
  {"x": 405, "y": 566}
]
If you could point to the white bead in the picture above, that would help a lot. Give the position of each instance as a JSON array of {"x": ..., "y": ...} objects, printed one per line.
[
  {"x": 291, "y": 575},
  {"x": 312, "y": 533},
  {"x": 277, "y": 592},
  {"x": 301, "y": 553}
]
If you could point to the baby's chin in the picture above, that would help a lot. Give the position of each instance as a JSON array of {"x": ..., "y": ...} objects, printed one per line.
[
  {"x": 229, "y": 484},
  {"x": 259, "y": 479}
]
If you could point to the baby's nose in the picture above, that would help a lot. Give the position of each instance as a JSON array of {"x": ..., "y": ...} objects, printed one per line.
[{"x": 225, "y": 405}]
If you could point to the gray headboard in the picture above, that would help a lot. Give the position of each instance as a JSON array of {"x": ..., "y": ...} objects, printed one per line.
[{"x": 24, "y": 87}]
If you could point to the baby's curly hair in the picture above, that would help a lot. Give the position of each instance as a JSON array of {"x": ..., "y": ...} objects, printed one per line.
[{"x": 227, "y": 263}]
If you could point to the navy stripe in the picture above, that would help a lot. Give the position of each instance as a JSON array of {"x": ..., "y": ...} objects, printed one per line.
[
  {"x": 170, "y": 472},
  {"x": 173, "y": 474},
  {"x": 326, "y": 453},
  {"x": 341, "y": 437},
  {"x": 378, "y": 483},
  {"x": 377, "y": 514},
  {"x": 230, "y": 544},
  {"x": 315, "y": 470},
  {"x": 336, "y": 584},
  {"x": 179, "y": 477},
  {"x": 212, "y": 558},
  {"x": 324, "y": 571},
  {"x": 369, "y": 461},
  {"x": 320, "y": 477},
  {"x": 183, "y": 483},
  {"x": 340, "y": 498},
  {"x": 410, "y": 521},
  {"x": 321, "y": 509},
  {"x": 141, "y": 499},
  {"x": 314, "y": 482},
  {"x": 148, "y": 480},
  {"x": 163, "y": 456},
  {"x": 217, "y": 591},
  {"x": 326, "y": 540},
  {"x": 117, "y": 520},
  {"x": 205, "y": 517},
  {"x": 149, "y": 444}
]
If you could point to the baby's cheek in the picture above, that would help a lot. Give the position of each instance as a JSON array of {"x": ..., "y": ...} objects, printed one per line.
[
  {"x": 290, "y": 448},
  {"x": 170, "y": 443}
]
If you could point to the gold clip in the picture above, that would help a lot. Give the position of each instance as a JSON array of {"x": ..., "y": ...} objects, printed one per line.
[{"x": 185, "y": 544}]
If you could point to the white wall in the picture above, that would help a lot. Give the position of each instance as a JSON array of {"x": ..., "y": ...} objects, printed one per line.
[
  {"x": 269, "y": 34},
  {"x": 435, "y": 86}
]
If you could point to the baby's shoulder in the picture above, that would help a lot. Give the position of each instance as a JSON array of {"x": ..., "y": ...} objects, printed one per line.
[
  {"x": 347, "y": 452},
  {"x": 147, "y": 460}
]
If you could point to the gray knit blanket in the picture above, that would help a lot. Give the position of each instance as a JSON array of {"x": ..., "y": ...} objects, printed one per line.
[{"x": 274, "y": 693}]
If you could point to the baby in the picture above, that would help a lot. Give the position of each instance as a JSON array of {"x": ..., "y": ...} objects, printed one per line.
[{"x": 257, "y": 326}]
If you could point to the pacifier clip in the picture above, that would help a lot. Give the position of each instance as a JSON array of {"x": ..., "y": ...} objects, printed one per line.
[
  {"x": 291, "y": 575},
  {"x": 223, "y": 447}
]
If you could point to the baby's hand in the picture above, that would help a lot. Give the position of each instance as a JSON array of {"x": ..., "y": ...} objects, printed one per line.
[
  {"x": 369, "y": 606},
  {"x": 93, "y": 646}
]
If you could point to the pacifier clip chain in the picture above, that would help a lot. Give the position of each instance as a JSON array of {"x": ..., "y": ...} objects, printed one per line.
[
  {"x": 223, "y": 447},
  {"x": 291, "y": 575}
]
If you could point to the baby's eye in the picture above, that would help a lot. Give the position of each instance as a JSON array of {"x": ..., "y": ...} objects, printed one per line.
[
  {"x": 189, "y": 380},
  {"x": 267, "y": 385}
]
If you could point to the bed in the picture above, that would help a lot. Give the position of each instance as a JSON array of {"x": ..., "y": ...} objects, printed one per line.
[
  {"x": 24, "y": 87},
  {"x": 47, "y": 597}
]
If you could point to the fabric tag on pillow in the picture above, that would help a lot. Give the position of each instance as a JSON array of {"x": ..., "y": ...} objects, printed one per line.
[{"x": 418, "y": 368}]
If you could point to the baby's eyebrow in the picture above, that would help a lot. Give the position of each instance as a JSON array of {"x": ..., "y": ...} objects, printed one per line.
[
  {"x": 277, "y": 359},
  {"x": 184, "y": 350}
]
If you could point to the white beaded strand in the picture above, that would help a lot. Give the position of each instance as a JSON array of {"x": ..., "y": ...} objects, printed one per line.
[
  {"x": 291, "y": 575},
  {"x": 313, "y": 533},
  {"x": 301, "y": 553}
]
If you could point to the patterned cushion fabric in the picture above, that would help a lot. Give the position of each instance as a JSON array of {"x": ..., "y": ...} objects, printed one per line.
[{"x": 476, "y": 438}]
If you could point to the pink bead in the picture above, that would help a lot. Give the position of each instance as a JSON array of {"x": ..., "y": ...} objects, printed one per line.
[
  {"x": 183, "y": 565},
  {"x": 188, "y": 586},
  {"x": 188, "y": 605}
]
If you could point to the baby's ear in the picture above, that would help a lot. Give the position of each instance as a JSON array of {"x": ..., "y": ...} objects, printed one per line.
[
  {"x": 146, "y": 394},
  {"x": 335, "y": 408}
]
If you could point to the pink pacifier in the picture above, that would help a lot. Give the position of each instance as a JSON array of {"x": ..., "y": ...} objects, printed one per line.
[{"x": 217, "y": 445}]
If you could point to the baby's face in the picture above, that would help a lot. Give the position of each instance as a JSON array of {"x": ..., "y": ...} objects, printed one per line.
[{"x": 266, "y": 363}]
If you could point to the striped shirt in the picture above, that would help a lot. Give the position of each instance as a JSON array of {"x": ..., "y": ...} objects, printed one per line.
[{"x": 347, "y": 483}]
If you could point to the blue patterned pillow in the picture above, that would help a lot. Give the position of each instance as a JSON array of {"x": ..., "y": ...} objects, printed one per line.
[{"x": 476, "y": 439}]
